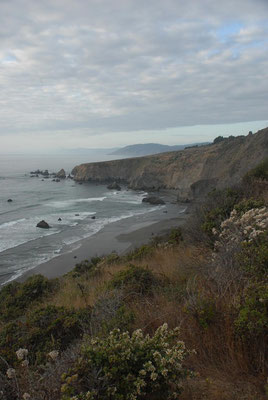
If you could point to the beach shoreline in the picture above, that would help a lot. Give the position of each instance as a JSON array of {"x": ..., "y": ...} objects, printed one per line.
[{"x": 120, "y": 237}]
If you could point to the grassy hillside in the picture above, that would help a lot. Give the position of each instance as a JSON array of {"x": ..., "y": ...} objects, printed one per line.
[{"x": 185, "y": 316}]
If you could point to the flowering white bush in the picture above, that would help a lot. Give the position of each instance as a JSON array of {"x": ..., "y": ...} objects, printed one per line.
[
  {"x": 245, "y": 227},
  {"x": 124, "y": 366},
  {"x": 237, "y": 233}
]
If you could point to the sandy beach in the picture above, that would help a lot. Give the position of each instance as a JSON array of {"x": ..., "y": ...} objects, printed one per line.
[{"x": 120, "y": 237}]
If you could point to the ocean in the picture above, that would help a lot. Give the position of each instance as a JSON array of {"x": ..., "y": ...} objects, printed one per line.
[{"x": 23, "y": 246}]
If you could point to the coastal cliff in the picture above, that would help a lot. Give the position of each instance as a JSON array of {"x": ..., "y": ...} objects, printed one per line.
[{"x": 192, "y": 172}]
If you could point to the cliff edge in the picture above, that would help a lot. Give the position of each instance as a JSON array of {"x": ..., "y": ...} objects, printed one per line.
[{"x": 192, "y": 172}]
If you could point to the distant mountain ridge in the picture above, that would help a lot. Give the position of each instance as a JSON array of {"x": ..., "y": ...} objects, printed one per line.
[
  {"x": 145, "y": 149},
  {"x": 191, "y": 172}
]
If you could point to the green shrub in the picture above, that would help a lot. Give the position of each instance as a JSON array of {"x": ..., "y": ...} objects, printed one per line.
[
  {"x": 259, "y": 172},
  {"x": 253, "y": 258},
  {"x": 203, "y": 310},
  {"x": 16, "y": 297},
  {"x": 128, "y": 367},
  {"x": 141, "y": 252},
  {"x": 86, "y": 267},
  {"x": 246, "y": 205},
  {"x": 112, "y": 258},
  {"x": 135, "y": 279},
  {"x": 43, "y": 330},
  {"x": 218, "y": 207},
  {"x": 252, "y": 317},
  {"x": 175, "y": 236}
]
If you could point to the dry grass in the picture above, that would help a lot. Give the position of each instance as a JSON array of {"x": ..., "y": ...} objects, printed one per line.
[{"x": 222, "y": 361}]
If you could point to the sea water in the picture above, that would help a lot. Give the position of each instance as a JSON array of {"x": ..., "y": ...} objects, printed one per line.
[{"x": 83, "y": 209}]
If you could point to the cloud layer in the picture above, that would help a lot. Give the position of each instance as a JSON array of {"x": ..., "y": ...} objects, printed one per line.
[{"x": 93, "y": 67}]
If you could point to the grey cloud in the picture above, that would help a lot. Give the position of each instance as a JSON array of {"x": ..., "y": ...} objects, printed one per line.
[{"x": 103, "y": 66}]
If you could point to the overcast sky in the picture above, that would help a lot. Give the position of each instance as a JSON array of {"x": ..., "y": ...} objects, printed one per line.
[{"x": 106, "y": 73}]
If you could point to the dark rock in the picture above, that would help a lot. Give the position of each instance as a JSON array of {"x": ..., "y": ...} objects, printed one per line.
[
  {"x": 57, "y": 180},
  {"x": 114, "y": 186},
  {"x": 77, "y": 215},
  {"x": 165, "y": 212},
  {"x": 75, "y": 256},
  {"x": 153, "y": 200},
  {"x": 93, "y": 217},
  {"x": 53, "y": 180},
  {"x": 42, "y": 180},
  {"x": 59, "y": 219},
  {"x": 61, "y": 174},
  {"x": 43, "y": 224},
  {"x": 9, "y": 200},
  {"x": 80, "y": 183}
]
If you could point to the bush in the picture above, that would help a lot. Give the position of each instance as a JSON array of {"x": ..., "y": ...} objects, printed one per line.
[
  {"x": 217, "y": 208},
  {"x": 249, "y": 204},
  {"x": 128, "y": 367},
  {"x": 203, "y": 310},
  {"x": 16, "y": 297},
  {"x": 86, "y": 267},
  {"x": 135, "y": 279},
  {"x": 139, "y": 253},
  {"x": 259, "y": 172},
  {"x": 110, "y": 312},
  {"x": 253, "y": 258},
  {"x": 43, "y": 330},
  {"x": 175, "y": 236},
  {"x": 252, "y": 318}
]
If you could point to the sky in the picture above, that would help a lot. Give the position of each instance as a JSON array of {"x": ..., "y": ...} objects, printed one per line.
[{"x": 109, "y": 73}]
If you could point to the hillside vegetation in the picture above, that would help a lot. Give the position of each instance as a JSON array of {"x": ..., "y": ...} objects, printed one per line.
[{"x": 183, "y": 317}]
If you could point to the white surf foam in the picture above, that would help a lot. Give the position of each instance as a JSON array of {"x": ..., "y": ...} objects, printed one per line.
[
  {"x": 126, "y": 196},
  {"x": 73, "y": 202}
]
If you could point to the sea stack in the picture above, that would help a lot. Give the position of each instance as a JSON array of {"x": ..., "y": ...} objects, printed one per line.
[
  {"x": 153, "y": 200},
  {"x": 43, "y": 224},
  {"x": 114, "y": 186},
  {"x": 61, "y": 174}
]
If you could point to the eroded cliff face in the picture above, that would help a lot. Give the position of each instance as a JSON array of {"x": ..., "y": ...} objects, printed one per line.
[{"x": 192, "y": 172}]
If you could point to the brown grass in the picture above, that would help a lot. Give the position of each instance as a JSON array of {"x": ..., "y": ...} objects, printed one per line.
[{"x": 222, "y": 361}]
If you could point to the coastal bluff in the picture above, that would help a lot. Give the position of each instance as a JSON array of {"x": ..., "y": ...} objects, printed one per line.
[{"x": 192, "y": 171}]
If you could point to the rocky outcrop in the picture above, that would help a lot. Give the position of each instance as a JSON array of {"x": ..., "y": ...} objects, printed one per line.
[
  {"x": 153, "y": 200},
  {"x": 114, "y": 186},
  {"x": 192, "y": 172},
  {"x": 61, "y": 174},
  {"x": 43, "y": 224}
]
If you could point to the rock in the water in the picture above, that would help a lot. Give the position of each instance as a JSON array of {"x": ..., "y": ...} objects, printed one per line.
[
  {"x": 43, "y": 224},
  {"x": 9, "y": 200},
  {"x": 114, "y": 186},
  {"x": 61, "y": 174},
  {"x": 153, "y": 200},
  {"x": 59, "y": 219},
  {"x": 56, "y": 180},
  {"x": 93, "y": 217},
  {"x": 77, "y": 215}
]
